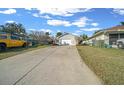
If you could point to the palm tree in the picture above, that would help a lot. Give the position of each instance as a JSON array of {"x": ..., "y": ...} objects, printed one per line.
[
  {"x": 84, "y": 36},
  {"x": 58, "y": 34},
  {"x": 47, "y": 33},
  {"x": 96, "y": 32},
  {"x": 122, "y": 23}
]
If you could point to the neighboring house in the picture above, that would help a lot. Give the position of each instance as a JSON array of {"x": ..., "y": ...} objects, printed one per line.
[
  {"x": 108, "y": 36},
  {"x": 68, "y": 39}
]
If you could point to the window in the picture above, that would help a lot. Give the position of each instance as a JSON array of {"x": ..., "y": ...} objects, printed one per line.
[
  {"x": 15, "y": 37},
  {"x": 3, "y": 37},
  {"x": 113, "y": 35},
  {"x": 121, "y": 35},
  {"x": 113, "y": 38}
]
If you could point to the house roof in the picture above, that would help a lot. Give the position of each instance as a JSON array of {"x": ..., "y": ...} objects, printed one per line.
[
  {"x": 97, "y": 34},
  {"x": 109, "y": 30},
  {"x": 63, "y": 35},
  {"x": 116, "y": 28},
  {"x": 66, "y": 34}
]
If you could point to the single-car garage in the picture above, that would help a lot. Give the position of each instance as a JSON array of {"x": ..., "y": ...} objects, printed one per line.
[
  {"x": 68, "y": 39},
  {"x": 66, "y": 42}
]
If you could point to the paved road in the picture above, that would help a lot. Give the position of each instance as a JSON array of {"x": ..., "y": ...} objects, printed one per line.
[{"x": 53, "y": 65}]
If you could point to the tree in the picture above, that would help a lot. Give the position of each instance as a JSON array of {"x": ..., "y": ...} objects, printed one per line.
[
  {"x": 47, "y": 33},
  {"x": 58, "y": 34},
  {"x": 84, "y": 36},
  {"x": 13, "y": 28},
  {"x": 122, "y": 23},
  {"x": 41, "y": 37},
  {"x": 2, "y": 28},
  {"x": 96, "y": 32},
  {"x": 20, "y": 29}
]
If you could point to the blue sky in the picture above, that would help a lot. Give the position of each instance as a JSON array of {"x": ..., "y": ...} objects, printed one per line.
[{"x": 74, "y": 20}]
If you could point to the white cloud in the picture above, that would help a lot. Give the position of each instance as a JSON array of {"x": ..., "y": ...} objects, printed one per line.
[
  {"x": 46, "y": 17},
  {"x": 94, "y": 24},
  {"x": 35, "y": 15},
  {"x": 59, "y": 31},
  {"x": 41, "y": 16},
  {"x": 82, "y": 22},
  {"x": 90, "y": 29},
  {"x": 46, "y": 30},
  {"x": 28, "y": 8},
  {"x": 9, "y": 11},
  {"x": 78, "y": 31},
  {"x": 58, "y": 23},
  {"x": 31, "y": 29},
  {"x": 43, "y": 30},
  {"x": 119, "y": 11},
  {"x": 61, "y": 12},
  {"x": 9, "y": 21},
  {"x": 75, "y": 34}
]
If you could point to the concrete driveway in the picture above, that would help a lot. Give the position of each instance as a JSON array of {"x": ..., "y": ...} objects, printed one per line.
[{"x": 53, "y": 65}]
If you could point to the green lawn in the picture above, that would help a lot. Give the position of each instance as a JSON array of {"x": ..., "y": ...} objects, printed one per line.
[
  {"x": 15, "y": 51},
  {"x": 108, "y": 64}
]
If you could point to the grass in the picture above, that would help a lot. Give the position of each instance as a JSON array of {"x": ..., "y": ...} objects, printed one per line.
[
  {"x": 15, "y": 51},
  {"x": 108, "y": 64}
]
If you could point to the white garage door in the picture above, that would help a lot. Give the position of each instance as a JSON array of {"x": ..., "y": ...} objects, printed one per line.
[{"x": 66, "y": 42}]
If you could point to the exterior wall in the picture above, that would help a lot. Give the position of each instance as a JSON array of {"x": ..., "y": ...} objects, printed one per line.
[
  {"x": 109, "y": 38},
  {"x": 99, "y": 40},
  {"x": 106, "y": 39},
  {"x": 77, "y": 40},
  {"x": 101, "y": 37}
]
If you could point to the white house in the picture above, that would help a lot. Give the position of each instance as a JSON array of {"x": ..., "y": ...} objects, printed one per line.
[
  {"x": 108, "y": 36},
  {"x": 68, "y": 39}
]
